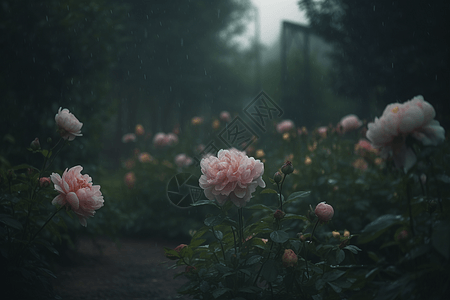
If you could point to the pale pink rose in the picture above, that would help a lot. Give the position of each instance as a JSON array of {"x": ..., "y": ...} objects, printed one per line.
[
  {"x": 285, "y": 126},
  {"x": 324, "y": 212},
  {"x": 182, "y": 160},
  {"x": 413, "y": 118},
  {"x": 130, "y": 179},
  {"x": 129, "y": 137},
  {"x": 77, "y": 192},
  {"x": 289, "y": 258},
  {"x": 225, "y": 116},
  {"x": 68, "y": 124},
  {"x": 349, "y": 123},
  {"x": 159, "y": 139},
  {"x": 172, "y": 139},
  {"x": 231, "y": 175}
]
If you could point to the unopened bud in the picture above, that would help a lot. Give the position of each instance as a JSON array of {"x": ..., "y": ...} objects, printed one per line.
[
  {"x": 44, "y": 182},
  {"x": 402, "y": 235},
  {"x": 287, "y": 168},
  {"x": 336, "y": 234},
  {"x": 289, "y": 258},
  {"x": 346, "y": 233},
  {"x": 279, "y": 214},
  {"x": 324, "y": 212},
  {"x": 35, "y": 145},
  {"x": 277, "y": 177}
]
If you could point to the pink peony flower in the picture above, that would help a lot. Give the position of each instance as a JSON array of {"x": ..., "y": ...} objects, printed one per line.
[
  {"x": 324, "y": 212},
  {"x": 289, "y": 258},
  {"x": 129, "y": 137},
  {"x": 130, "y": 179},
  {"x": 145, "y": 157},
  {"x": 171, "y": 139},
  {"x": 349, "y": 123},
  {"x": 285, "y": 126},
  {"x": 361, "y": 164},
  {"x": 68, "y": 124},
  {"x": 231, "y": 175},
  {"x": 159, "y": 139},
  {"x": 225, "y": 116},
  {"x": 413, "y": 118},
  {"x": 182, "y": 160},
  {"x": 77, "y": 192}
]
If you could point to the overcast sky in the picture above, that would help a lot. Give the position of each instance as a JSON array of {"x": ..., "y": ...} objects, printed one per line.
[{"x": 272, "y": 13}]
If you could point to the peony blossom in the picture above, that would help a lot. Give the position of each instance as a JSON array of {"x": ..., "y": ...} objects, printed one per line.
[
  {"x": 182, "y": 160},
  {"x": 231, "y": 175},
  {"x": 285, "y": 126},
  {"x": 413, "y": 118},
  {"x": 68, "y": 124},
  {"x": 130, "y": 179},
  {"x": 145, "y": 157},
  {"x": 161, "y": 139},
  {"x": 289, "y": 258},
  {"x": 77, "y": 192},
  {"x": 129, "y": 137},
  {"x": 322, "y": 131},
  {"x": 225, "y": 116},
  {"x": 349, "y": 123},
  {"x": 324, "y": 212}
]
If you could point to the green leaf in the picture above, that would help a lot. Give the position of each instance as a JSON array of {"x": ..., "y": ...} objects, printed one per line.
[
  {"x": 218, "y": 234},
  {"x": 260, "y": 206},
  {"x": 214, "y": 221},
  {"x": 378, "y": 227},
  {"x": 204, "y": 202},
  {"x": 294, "y": 217},
  {"x": 9, "y": 221},
  {"x": 340, "y": 256},
  {"x": 269, "y": 271},
  {"x": 219, "y": 292},
  {"x": 441, "y": 238},
  {"x": 335, "y": 287},
  {"x": 296, "y": 195},
  {"x": 279, "y": 236},
  {"x": 353, "y": 249},
  {"x": 268, "y": 191},
  {"x": 253, "y": 260}
]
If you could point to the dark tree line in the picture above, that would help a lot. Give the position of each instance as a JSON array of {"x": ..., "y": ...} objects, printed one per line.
[
  {"x": 387, "y": 51},
  {"x": 114, "y": 64}
]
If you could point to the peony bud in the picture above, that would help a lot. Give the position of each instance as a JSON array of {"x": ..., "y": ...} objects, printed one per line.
[
  {"x": 336, "y": 234},
  {"x": 287, "y": 168},
  {"x": 279, "y": 214},
  {"x": 346, "y": 233},
  {"x": 402, "y": 235},
  {"x": 289, "y": 258},
  {"x": 277, "y": 177},
  {"x": 35, "y": 145},
  {"x": 324, "y": 212},
  {"x": 44, "y": 182}
]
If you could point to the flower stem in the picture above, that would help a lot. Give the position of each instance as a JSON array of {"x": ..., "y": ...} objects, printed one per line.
[
  {"x": 408, "y": 196},
  {"x": 306, "y": 247}
]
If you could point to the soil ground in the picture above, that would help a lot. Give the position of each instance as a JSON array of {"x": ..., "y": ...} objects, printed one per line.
[{"x": 129, "y": 269}]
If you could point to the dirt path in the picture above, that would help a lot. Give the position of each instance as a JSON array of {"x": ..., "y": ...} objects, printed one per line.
[{"x": 133, "y": 269}]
